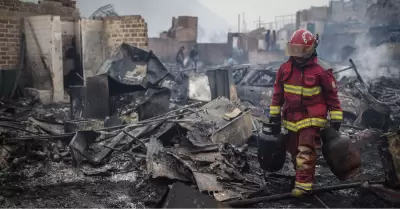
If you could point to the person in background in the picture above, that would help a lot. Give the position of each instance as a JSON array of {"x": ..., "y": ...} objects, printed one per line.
[
  {"x": 307, "y": 93},
  {"x": 230, "y": 61},
  {"x": 180, "y": 57},
  {"x": 273, "y": 41},
  {"x": 193, "y": 56},
  {"x": 267, "y": 40}
]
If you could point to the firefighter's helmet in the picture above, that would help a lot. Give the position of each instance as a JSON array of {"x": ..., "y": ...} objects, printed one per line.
[{"x": 302, "y": 44}]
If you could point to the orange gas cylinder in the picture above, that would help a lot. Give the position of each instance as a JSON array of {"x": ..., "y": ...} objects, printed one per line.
[{"x": 340, "y": 153}]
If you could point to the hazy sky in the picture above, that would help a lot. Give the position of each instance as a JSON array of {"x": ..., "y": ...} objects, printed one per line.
[
  {"x": 267, "y": 9},
  {"x": 216, "y": 17}
]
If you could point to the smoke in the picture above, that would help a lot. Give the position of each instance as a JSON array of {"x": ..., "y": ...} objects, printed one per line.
[
  {"x": 199, "y": 88},
  {"x": 218, "y": 37},
  {"x": 212, "y": 36},
  {"x": 372, "y": 61}
]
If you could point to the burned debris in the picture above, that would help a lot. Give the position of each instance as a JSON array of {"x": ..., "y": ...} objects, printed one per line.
[{"x": 134, "y": 136}]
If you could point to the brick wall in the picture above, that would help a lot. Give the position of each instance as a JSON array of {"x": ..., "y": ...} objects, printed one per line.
[
  {"x": 129, "y": 29},
  {"x": 11, "y": 14},
  {"x": 185, "y": 29},
  {"x": 9, "y": 42}
]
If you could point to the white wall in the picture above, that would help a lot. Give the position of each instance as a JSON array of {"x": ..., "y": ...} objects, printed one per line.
[
  {"x": 44, "y": 42},
  {"x": 282, "y": 38},
  {"x": 93, "y": 54}
]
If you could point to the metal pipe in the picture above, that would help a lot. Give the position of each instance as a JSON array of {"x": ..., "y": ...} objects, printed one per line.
[
  {"x": 356, "y": 71},
  {"x": 284, "y": 196},
  {"x": 342, "y": 70}
]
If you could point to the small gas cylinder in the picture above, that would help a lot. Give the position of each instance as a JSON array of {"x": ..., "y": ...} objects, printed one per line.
[
  {"x": 342, "y": 157},
  {"x": 271, "y": 151}
]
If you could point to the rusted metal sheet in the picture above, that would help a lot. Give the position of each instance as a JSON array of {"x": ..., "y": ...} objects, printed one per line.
[
  {"x": 207, "y": 182},
  {"x": 210, "y": 124},
  {"x": 389, "y": 150},
  {"x": 235, "y": 132}
]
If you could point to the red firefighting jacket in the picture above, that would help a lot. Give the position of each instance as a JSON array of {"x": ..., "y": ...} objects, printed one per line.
[{"x": 305, "y": 96}]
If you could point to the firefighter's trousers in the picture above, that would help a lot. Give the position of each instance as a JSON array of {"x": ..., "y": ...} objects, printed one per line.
[{"x": 302, "y": 147}]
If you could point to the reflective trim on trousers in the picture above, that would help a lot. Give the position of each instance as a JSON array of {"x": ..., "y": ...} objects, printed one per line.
[{"x": 304, "y": 186}]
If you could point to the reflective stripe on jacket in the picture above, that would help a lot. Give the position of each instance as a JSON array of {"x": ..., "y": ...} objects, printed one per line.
[{"x": 305, "y": 96}]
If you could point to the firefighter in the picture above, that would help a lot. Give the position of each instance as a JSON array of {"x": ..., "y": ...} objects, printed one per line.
[
  {"x": 194, "y": 55},
  {"x": 304, "y": 95}
]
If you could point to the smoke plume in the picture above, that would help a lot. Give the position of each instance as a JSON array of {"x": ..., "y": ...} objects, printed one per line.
[{"x": 373, "y": 61}]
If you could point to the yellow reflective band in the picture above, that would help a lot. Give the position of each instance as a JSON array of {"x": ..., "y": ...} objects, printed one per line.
[
  {"x": 296, "y": 126},
  {"x": 302, "y": 90},
  {"x": 274, "y": 110},
  {"x": 290, "y": 126},
  {"x": 336, "y": 115},
  {"x": 304, "y": 186}
]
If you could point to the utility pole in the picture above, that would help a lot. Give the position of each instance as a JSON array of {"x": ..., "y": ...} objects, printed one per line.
[
  {"x": 238, "y": 23},
  {"x": 259, "y": 22},
  {"x": 244, "y": 24}
]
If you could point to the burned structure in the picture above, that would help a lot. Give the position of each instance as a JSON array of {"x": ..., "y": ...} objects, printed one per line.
[
  {"x": 42, "y": 68},
  {"x": 134, "y": 135}
]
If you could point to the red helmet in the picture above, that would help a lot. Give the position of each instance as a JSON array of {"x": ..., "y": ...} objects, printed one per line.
[{"x": 302, "y": 44}]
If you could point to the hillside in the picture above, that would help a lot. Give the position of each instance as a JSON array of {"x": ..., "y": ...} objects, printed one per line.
[{"x": 158, "y": 14}]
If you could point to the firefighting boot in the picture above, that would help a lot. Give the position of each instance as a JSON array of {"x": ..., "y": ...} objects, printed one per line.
[{"x": 305, "y": 170}]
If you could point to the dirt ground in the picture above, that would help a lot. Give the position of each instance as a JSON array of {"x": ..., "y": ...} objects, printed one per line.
[{"x": 58, "y": 185}]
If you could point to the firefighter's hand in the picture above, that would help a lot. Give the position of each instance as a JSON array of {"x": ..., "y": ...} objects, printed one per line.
[
  {"x": 275, "y": 124},
  {"x": 336, "y": 125},
  {"x": 275, "y": 119}
]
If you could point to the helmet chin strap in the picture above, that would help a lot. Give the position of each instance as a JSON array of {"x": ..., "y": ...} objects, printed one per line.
[{"x": 305, "y": 60}]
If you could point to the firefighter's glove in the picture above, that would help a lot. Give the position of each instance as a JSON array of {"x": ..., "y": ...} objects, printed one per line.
[
  {"x": 275, "y": 118},
  {"x": 275, "y": 124},
  {"x": 336, "y": 125},
  {"x": 302, "y": 189}
]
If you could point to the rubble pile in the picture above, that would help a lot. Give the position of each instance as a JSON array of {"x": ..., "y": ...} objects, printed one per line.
[
  {"x": 387, "y": 91},
  {"x": 190, "y": 144},
  {"x": 142, "y": 142}
]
